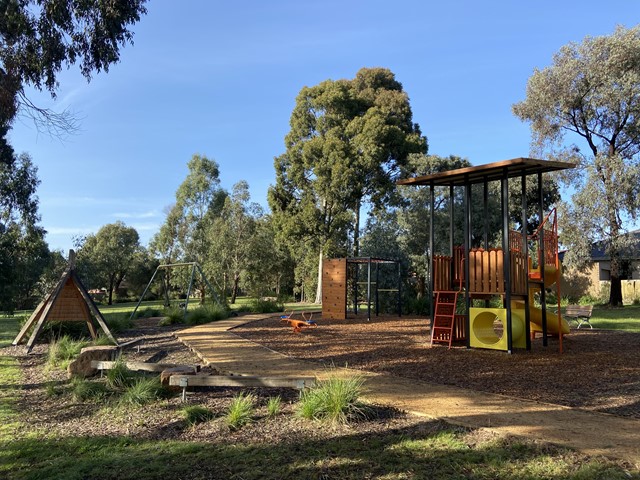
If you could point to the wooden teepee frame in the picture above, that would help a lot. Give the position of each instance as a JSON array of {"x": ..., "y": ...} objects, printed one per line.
[{"x": 69, "y": 301}]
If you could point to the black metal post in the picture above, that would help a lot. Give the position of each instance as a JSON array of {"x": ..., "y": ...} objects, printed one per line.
[
  {"x": 525, "y": 253},
  {"x": 506, "y": 254},
  {"x": 369, "y": 289},
  {"x": 452, "y": 267},
  {"x": 399, "y": 290},
  {"x": 467, "y": 248},
  {"x": 355, "y": 288},
  {"x": 541, "y": 262},
  {"x": 430, "y": 266},
  {"x": 377, "y": 287}
]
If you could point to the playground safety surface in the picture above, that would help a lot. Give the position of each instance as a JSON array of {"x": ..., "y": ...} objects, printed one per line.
[{"x": 221, "y": 344}]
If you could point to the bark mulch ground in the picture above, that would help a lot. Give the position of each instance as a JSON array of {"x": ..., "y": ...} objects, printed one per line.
[{"x": 598, "y": 371}]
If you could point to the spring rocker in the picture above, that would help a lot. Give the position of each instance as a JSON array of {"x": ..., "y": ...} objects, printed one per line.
[
  {"x": 510, "y": 272},
  {"x": 299, "y": 324}
]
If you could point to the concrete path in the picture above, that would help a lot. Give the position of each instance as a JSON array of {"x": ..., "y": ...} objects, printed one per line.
[{"x": 591, "y": 433}]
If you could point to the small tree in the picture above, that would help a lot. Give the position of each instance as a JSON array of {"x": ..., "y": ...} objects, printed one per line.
[{"x": 108, "y": 255}]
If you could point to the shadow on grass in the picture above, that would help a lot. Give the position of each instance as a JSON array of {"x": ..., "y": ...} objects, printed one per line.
[{"x": 429, "y": 449}]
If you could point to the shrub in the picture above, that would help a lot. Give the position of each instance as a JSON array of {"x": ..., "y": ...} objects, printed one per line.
[
  {"x": 142, "y": 390},
  {"x": 83, "y": 390},
  {"x": 195, "y": 414},
  {"x": 336, "y": 400},
  {"x": 102, "y": 340},
  {"x": 119, "y": 377},
  {"x": 419, "y": 306},
  {"x": 240, "y": 411},
  {"x": 172, "y": 315},
  {"x": 118, "y": 322},
  {"x": 274, "y": 405},
  {"x": 148, "y": 313},
  {"x": 259, "y": 305},
  {"x": 207, "y": 314}
]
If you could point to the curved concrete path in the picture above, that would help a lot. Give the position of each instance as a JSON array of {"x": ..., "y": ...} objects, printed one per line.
[{"x": 592, "y": 433}]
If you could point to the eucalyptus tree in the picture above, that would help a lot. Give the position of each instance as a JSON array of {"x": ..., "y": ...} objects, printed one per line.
[
  {"x": 23, "y": 250},
  {"x": 105, "y": 258},
  {"x": 232, "y": 237},
  {"x": 591, "y": 95},
  {"x": 348, "y": 142},
  {"x": 38, "y": 38}
]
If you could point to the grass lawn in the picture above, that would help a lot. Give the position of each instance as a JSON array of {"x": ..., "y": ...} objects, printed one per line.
[
  {"x": 626, "y": 318},
  {"x": 431, "y": 449}
]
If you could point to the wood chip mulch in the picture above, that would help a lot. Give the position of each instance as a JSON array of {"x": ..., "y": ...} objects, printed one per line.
[{"x": 598, "y": 371}]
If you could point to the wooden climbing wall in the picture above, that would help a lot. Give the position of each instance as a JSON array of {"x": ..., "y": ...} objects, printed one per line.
[{"x": 334, "y": 288}]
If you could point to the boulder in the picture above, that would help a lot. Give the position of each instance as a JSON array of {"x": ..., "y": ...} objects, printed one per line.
[
  {"x": 81, "y": 366},
  {"x": 166, "y": 375}
]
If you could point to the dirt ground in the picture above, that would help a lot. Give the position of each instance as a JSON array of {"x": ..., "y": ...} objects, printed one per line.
[
  {"x": 47, "y": 406},
  {"x": 598, "y": 371}
]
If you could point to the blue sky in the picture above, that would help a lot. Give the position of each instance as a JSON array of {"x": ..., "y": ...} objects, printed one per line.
[{"x": 220, "y": 79}]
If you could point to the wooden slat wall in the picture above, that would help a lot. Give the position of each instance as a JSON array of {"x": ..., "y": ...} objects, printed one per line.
[
  {"x": 334, "y": 288},
  {"x": 441, "y": 273},
  {"x": 69, "y": 306}
]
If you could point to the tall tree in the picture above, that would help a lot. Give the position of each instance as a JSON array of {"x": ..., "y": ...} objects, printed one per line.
[
  {"x": 592, "y": 92},
  {"x": 106, "y": 257},
  {"x": 348, "y": 141},
  {"x": 23, "y": 251},
  {"x": 199, "y": 199},
  {"x": 232, "y": 237}
]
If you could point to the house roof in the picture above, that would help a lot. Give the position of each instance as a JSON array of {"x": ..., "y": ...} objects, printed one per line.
[
  {"x": 515, "y": 167},
  {"x": 599, "y": 249}
]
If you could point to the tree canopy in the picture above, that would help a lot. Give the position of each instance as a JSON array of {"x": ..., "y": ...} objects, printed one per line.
[
  {"x": 591, "y": 93},
  {"x": 348, "y": 142},
  {"x": 40, "y": 37}
]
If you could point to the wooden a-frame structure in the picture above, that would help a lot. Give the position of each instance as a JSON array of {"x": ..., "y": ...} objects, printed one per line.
[{"x": 69, "y": 301}]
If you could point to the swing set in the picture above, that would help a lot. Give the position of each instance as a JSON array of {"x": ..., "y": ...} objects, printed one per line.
[{"x": 195, "y": 268}]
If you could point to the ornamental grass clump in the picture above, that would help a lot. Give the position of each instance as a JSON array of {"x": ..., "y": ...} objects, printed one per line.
[
  {"x": 240, "y": 411},
  {"x": 334, "y": 400},
  {"x": 83, "y": 390},
  {"x": 142, "y": 390},
  {"x": 274, "y": 406},
  {"x": 119, "y": 377},
  {"x": 195, "y": 414},
  {"x": 62, "y": 351},
  {"x": 207, "y": 314}
]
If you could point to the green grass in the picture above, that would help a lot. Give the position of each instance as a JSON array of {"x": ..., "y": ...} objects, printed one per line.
[
  {"x": 142, "y": 390},
  {"x": 431, "y": 450},
  {"x": 240, "y": 411},
  {"x": 274, "y": 406},
  {"x": 335, "y": 400},
  {"x": 10, "y": 379},
  {"x": 84, "y": 390},
  {"x": 62, "y": 351},
  {"x": 119, "y": 377},
  {"x": 195, "y": 414},
  {"x": 626, "y": 318},
  {"x": 207, "y": 314}
]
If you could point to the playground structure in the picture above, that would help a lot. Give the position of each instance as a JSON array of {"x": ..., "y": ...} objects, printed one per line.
[
  {"x": 338, "y": 274},
  {"x": 507, "y": 271},
  {"x": 195, "y": 268},
  {"x": 69, "y": 301}
]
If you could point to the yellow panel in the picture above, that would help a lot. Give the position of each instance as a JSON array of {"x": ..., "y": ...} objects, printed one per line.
[{"x": 482, "y": 333}]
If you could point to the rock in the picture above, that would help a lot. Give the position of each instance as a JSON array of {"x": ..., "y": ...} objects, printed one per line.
[
  {"x": 166, "y": 375},
  {"x": 81, "y": 366}
]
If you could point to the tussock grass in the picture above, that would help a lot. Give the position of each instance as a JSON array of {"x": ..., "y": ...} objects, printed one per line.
[
  {"x": 119, "y": 377},
  {"x": 142, "y": 390},
  {"x": 335, "y": 400},
  {"x": 118, "y": 321},
  {"x": 207, "y": 314},
  {"x": 84, "y": 390},
  {"x": 62, "y": 351},
  {"x": 274, "y": 406},
  {"x": 258, "y": 305},
  {"x": 171, "y": 316},
  {"x": 195, "y": 414},
  {"x": 240, "y": 411}
]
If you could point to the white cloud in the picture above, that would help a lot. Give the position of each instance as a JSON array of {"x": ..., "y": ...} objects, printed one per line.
[{"x": 149, "y": 214}]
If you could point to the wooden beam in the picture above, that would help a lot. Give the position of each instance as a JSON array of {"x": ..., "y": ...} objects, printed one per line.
[
  {"x": 240, "y": 381},
  {"x": 144, "y": 366},
  {"x": 92, "y": 307}
]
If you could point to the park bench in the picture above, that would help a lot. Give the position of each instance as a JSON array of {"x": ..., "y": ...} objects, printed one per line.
[{"x": 580, "y": 314}]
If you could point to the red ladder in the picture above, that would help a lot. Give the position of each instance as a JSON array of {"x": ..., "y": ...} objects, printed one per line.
[{"x": 444, "y": 317}]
